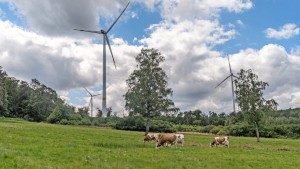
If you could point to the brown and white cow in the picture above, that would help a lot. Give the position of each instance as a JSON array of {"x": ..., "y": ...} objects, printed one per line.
[
  {"x": 220, "y": 140},
  {"x": 151, "y": 137},
  {"x": 180, "y": 139},
  {"x": 166, "y": 139}
]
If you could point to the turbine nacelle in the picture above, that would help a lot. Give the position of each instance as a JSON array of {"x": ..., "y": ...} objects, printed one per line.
[{"x": 103, "y": 31}]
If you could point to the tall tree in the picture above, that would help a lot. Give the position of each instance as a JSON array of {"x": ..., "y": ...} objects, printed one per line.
[
  {"x": 99, "y": 112},
  {"x": 2, "y": 92},
  {"x": 249, "y": 95},
  {"x": 148, "y": 94},
  {"x": 1, "y": 86}
]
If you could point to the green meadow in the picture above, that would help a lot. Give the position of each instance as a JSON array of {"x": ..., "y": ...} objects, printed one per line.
[{"x": 46, "y": 146}]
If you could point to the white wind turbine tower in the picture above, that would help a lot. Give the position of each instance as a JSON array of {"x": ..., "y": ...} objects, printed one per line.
[
  {"x": 105, "y": 40},
  {"x": 91, "y": 100},
  {"x": 231, "y": 76}
]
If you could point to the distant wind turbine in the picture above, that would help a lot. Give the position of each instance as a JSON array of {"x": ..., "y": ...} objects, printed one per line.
[
  {"x": 91, "y": 100},
  {"x": 105, "y": 39},
  {"x": 231, "y": 76}
]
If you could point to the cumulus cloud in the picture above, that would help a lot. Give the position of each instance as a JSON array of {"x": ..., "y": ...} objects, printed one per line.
[
  {"x": 295, "y": 50},
  {"x": 186, "y": 39},
  {"x": 176, "y": 10},
  {"x": 285, "y": 32},
  {"x": 65, "y": 63},
  {"x": 59, "y": 18},
  {"x": 273, "y": 64},
  {"x": 58, "y": 62}
]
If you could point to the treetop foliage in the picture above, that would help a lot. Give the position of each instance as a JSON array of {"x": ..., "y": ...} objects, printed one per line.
[{"x": 148, "y": 94}]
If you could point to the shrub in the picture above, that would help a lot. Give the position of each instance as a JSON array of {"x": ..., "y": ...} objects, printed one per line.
[
  {"x": 135, "y": 123},
  {"x": 241, "y": 129},
  {"x": 216, "y": 129},
  {"x": 162, "y": 126},
  {"x": 206, "y": 129},
  {"x": 85, "y": 121},
  {"x": 186, "y": 128}
]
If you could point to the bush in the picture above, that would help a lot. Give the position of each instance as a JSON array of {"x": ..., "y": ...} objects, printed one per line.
[
  {"x": 135, "y": 123},
  {"x": 241, "y": 129},
  {"x": 216, "y": 129},
  {"x": 223, "y": 132},
  {"x": 55, "y": 116},
  {"x": 64, "y": 122},
  {"x": 85, "y": 121},
  {"x": 162, "y": 126},
  {"x": 206, "y": 129},
  {"x": 186, "y": 128}
]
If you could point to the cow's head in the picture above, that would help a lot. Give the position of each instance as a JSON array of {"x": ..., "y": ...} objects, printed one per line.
[{"x": 147, "y": 138}]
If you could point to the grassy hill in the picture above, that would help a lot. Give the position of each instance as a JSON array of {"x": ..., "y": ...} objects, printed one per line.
[{"x": 41, "y": 145}]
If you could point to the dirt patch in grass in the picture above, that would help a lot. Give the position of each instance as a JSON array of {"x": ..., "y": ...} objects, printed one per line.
[{"x": 286, "y": 148}]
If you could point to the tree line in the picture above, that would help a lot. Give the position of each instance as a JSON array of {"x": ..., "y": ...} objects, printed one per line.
[{"x": 150, "y": 106}]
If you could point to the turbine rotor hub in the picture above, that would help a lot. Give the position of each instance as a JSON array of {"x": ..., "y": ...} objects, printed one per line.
[{"x": 103, "y": 31}]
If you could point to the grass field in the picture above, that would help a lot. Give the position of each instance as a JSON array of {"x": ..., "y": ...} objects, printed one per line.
[{"x": 40, "y": 145}]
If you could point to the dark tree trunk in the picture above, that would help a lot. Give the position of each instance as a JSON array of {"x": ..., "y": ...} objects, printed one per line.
[
  {"x": 147, "y": 126},
  {"x": 257, "y": 133}
]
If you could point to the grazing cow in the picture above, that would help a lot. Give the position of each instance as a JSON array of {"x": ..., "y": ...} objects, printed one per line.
[
  {"x": 151, "y": 137},
  {"x": 220, "y": 140},
  {"x": 180, "y": 139},
  {"x": 166, "y": 139}
]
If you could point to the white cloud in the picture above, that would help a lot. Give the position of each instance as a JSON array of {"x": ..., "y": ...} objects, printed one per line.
[
  {"x": 285, "y": 32},
  {"x": 62, "y": 64},
  {"x": 149, "y": 3},
  {"x": 59, "y": 18},
  {"x": 193, "y": 65},
  {"x": 295, "y": 50},
  {"x": 277, "y": 67},
  {"x": 239, "y": 22},
  {"x": 179, "y": 10}
]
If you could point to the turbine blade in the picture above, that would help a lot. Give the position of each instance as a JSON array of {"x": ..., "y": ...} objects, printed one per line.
[
  {"x": 98, "y": 32},
  {"x": 107, "y": 40},
  {"x": 97, "y": 94},
  {"x": 222, "y": 81},
  {"x": 88, "y": 91},
  {"x": 117, "y": 18},
  {"x": 229, "y": 65}
]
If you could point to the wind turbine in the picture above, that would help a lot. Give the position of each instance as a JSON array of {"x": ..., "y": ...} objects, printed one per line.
[
  {"x": 105, "y": 39},
  {"x": 231, "y": 76},
  {"x": 91, "y": 100}
]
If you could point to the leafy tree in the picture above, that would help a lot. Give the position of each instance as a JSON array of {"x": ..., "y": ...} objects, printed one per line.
[
  {"x": 84, "y": 112},
  {"x": 109, "y": 111},
  {"x": 3, "y": 102},
  {"x": 249, "y": 95},
  {"x": 99, "y": 112},
  {"x": 148, "y": 94}
]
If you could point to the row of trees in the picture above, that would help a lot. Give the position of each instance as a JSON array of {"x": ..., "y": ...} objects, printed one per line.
[
  {"x": 149, "y": 96},
  {"x": 34, "y": 101},
  {"x": 148, "y": 100}
]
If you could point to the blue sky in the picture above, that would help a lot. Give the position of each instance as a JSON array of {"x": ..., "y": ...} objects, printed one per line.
[
  {"x": 37, "y": 41},
  {"x": 264, "y": 14}
]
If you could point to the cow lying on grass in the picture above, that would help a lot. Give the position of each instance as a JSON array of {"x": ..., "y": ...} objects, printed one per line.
[
  {"x": 151, "y": 137},
  {"x": 170, "y": 139},
  {"x": 220, "y": 140}
]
